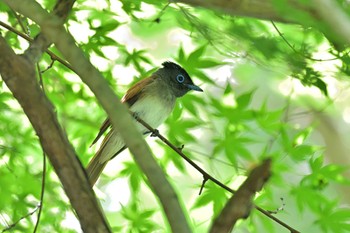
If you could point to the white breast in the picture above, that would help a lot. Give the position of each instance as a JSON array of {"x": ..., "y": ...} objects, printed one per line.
[{"x": 153, "y": 110}]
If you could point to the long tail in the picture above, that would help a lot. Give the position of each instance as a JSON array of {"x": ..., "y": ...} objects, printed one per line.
[
  {"x": 110, "y": 147},
  {"x": 95, "y": 168}
]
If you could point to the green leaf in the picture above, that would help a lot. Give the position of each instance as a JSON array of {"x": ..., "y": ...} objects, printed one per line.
[
  {"x": 302, "y": 152},
  {"x": 212, "y": 194},
  {"x": 316, "y": 163},
  {"x": 194, "y": 57},
  {"x": 208, "y": 63},
  {"x": 181, "y": 55},
  {"x": 243, "y": 100},
  {"x": 322, "y": 86}
]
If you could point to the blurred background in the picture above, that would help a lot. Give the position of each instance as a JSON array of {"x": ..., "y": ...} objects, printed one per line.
[{"x": 270, "y": 90}]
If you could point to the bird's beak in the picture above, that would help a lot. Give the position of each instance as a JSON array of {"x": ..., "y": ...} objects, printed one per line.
[{"x": 194, "y": 87}]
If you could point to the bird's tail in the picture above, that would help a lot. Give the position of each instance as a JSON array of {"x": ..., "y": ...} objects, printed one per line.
[
  {"x": 111, "y": 146},
  {"x": 95, "y": 168}
]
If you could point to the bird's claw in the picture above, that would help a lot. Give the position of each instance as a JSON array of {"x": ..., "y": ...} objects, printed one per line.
[
  {"x": 135, "y": 115},
  {"x": 155, "y": 133}
]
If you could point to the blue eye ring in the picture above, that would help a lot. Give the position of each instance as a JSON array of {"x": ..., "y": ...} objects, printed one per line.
[{"x": 180, "y": 78}]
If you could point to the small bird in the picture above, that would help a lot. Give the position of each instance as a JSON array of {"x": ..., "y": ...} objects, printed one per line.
[{"x": 151, "y": 99}]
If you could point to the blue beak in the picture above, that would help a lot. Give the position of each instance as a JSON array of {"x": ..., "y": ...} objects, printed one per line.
[{"x": 193, "y": 87}]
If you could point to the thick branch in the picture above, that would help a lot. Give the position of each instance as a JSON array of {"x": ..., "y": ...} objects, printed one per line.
[
  {"x": 41, "y": 43},
  {"x": 53, "y": 56},
  {"x": 117, "y": 112},
  {"x": 261, "y": 9},
  {"x": 336, "y": 22},
  {"x": 19, "y": 75},
  {"x": 240, "y": 205},
  {"x": 335, "y": 18}
]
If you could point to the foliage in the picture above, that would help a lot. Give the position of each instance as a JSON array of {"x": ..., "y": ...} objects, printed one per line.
[{"x": 242, "y": 117}]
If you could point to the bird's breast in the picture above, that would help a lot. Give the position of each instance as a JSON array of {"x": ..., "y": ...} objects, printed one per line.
[{"x": 153, "y": 110}]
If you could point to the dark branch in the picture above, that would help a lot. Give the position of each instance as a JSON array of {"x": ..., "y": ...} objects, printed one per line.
[
  {"x": 205, "y": 174},
  {"x": 117, "y": 112},
  {"x": 53, "y": 56},
  {"x": 241, "y": 203},
  {"x": 12, "y": 225},
  {"x": 18, "y": 72},
  {"x": 41, "y": 43}
]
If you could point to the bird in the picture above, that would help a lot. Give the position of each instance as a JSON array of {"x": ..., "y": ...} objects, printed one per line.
[{"x": 152, "y": 99}]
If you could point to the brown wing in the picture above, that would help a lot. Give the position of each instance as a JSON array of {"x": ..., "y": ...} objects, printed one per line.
[
  {"x": 135, "y": 92},
  {"x": 130, "y": 97}
]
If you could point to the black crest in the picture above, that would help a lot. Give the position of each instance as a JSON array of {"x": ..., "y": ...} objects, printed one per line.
[{"x": 174, "y": 66}]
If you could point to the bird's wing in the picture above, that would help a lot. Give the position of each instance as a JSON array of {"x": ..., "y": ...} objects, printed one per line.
[{"x": 130, "y": 97}]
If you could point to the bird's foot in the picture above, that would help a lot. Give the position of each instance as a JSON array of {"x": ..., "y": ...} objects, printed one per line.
[
  {"x": 135, "y": 115},
  {"x": 181, "y": 147},
  {"x": 155, "y": 133}
]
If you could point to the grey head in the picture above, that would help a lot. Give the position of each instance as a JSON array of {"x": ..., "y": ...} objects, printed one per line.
[{"x": 176, "y": 78}]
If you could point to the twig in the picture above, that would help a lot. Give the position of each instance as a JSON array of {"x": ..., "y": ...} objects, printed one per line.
[
  {"x": 205, "y": 179},
  {"x": 43, "y": 178},
  {"x": 24, "y": 36},
  {"x": 157, "y": 20},
  {"x": 20, "y": 21},
  {"x": 23, "y": 217},
  {"x": 296, "y": 51},
  {"x": 179, "y": 151},
  {"x": 281, "y": 208},
  {"x": 48, "y": 67}
]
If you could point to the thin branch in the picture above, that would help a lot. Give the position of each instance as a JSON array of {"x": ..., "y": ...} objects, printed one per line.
[
  {"x": 281, "y": 208},
  {"x": 43, "y": 177},
  {"x": 179, "y": 151},
  {"x": 298, "y": 52},
  {"x": 19, "y": 20},
  {"x": 241, "y": 203},
  {"x": 207, "y": 175},
  {"x": 121, "y": 120},
  {"x": 48, "y": 67},
  {"x": 23, "y": 217},
  {"x": 41, "y": 43},
  {"x": 157, "y": 20},
  {"x": 53, "y": 56}
]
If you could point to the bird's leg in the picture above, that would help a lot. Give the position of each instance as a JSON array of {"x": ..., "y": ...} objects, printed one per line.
[
  {"x": 135, "y": 115},
  {"x": 155, "y": 133}
]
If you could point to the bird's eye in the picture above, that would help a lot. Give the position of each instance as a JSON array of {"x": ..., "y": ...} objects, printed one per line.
[{"x": 180, "y": 78}]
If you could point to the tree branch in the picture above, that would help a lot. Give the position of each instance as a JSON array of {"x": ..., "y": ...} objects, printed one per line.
[
  {"x": 336, "y": 28},
  {"x": 53, "y": 56},
  {"x": 337, "y": 20},
  {"x": 206, "y": 175},
  {"x": 260, "y": 9},
  {"x": 41, "y": 43},
  {"x": 19, "y": 75},
  {"x": 121, "y": 120},
  {"x": 241, "y": 203}
]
